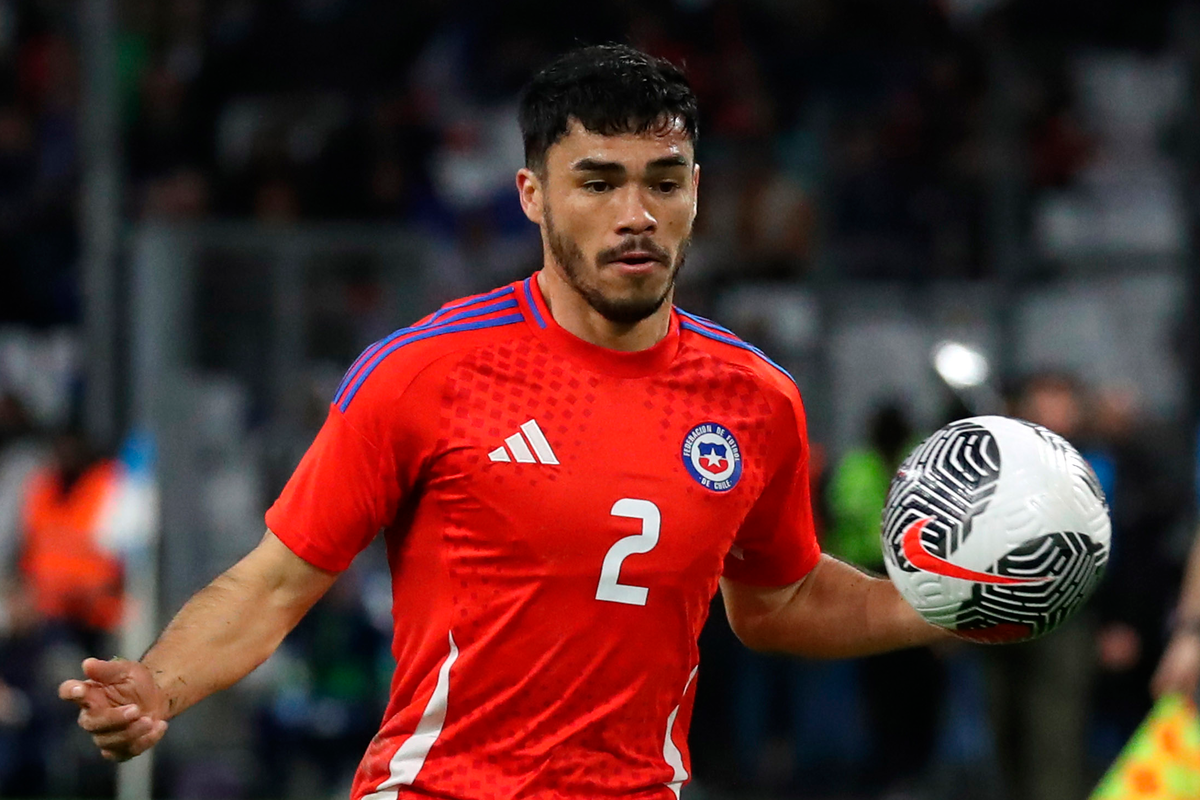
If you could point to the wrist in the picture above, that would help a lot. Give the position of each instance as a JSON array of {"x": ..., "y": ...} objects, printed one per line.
[{"x": 162, "y": 698}]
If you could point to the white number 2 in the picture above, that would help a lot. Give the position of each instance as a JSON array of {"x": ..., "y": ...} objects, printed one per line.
[{"x": 609, "y": 588}]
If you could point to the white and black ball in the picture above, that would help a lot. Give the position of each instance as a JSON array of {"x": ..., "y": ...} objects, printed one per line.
[{"x": 996, "y": 529}]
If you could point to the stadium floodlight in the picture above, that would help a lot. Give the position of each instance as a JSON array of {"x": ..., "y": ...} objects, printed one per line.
[{"x": 960, "y": 366}]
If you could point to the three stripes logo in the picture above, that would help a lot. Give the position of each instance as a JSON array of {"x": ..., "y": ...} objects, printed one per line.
[{"x": 530, "y": 448}]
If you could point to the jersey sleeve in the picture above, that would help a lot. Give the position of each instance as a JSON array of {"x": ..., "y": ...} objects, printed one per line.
[
  {"x": 364, "y": 462},
  {"x": 777, "y": 542}
]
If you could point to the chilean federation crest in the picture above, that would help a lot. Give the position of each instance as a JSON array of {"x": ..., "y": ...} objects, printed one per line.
[{"x": 711, "y": 456}]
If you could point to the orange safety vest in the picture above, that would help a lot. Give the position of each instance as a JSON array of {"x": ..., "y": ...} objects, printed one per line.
[{"x": 70, "y": 576}]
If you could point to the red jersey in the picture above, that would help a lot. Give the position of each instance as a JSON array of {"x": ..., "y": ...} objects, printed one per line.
[{"x": 557, "y": 516}]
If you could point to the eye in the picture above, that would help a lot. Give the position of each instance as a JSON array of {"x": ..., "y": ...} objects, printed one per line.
[
  {"x": 597, "y": 187},
  {"x": 667, "y": 187}
]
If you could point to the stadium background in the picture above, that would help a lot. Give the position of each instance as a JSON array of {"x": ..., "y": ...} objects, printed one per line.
[{"x": 208, "y": 207}]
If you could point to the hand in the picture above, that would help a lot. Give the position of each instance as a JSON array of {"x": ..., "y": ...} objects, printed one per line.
[
  {"x": 1179, "y": 669},
  {"x": 120, "y": 705}
]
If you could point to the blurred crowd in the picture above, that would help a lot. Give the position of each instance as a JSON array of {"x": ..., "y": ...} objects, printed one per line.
[
  {"x": 869, "y": 134},
  {"x": 866, "y": 133},
  {"x": 1042, "y": 719},
  {"x": 1036, "y": 720}
]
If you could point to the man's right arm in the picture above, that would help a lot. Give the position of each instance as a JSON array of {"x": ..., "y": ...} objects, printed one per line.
[{"x": 219, "y": 636}]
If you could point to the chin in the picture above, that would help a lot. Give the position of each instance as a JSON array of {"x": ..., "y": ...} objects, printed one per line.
[{"x": 629, "y": 308}]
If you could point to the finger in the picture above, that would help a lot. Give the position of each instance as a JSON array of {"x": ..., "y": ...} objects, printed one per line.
[
  {"x": 106, "y": 672},
  {"x": 72, "y": 690},
  {"x": 124, "y": 752},
  {"x": 85, "y": 694},
  {"x": 125, "y": 736},
  {"x": 150, "y": 739},
  {"x": 108, "y": 719}
]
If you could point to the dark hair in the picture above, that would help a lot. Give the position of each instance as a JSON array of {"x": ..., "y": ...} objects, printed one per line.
[{"x": 611, "y": 89}]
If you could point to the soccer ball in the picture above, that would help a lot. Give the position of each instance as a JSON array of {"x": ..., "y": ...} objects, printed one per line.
[{"x": 995, "y": 529}]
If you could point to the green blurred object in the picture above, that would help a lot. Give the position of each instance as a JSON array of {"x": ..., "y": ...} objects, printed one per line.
[
  {"x": 857, "y": 493},
  {"x": 1161, "y": 761}
]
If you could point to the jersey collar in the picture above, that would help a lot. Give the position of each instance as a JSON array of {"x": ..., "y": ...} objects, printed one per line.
[{"x": 600, "y": 359}]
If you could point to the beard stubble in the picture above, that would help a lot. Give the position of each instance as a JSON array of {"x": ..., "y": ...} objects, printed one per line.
[{"x": 622, "y": 311}]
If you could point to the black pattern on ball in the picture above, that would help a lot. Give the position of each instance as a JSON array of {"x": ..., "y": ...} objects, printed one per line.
[
  {"x": 948, "y": 479},
  {"x": 1073, "y": 562}
]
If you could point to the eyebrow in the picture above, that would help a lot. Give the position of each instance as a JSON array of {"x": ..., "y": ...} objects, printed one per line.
[
  {"x": 596, "y": 165},
  {"x": 668, "y": 161}
]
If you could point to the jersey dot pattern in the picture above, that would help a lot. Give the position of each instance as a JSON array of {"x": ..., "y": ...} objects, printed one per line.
[{"x": 553, "y": 561}]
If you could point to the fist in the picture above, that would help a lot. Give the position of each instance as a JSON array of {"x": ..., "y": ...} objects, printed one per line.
[{"x": 119, "y": 705}]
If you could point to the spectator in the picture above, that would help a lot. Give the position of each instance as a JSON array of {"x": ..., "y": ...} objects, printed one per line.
[
  {"x": 70, "y": 592},
  {"x": 1140, "y": 469},
  {"x": 71, "y": 581},
  {"x": 22, "y": 763},
  {"x": 1041, "y": 689},
  {"x": 902, "y": 691},
  {"x": 1179, "y": 669},
  {"x": 329, "y": 703}
]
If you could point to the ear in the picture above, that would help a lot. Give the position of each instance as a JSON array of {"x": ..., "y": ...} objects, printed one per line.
[{"x": 529, "y": 189}]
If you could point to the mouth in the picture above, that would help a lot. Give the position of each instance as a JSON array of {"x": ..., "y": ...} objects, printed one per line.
[{"x": 637, "y": 260}]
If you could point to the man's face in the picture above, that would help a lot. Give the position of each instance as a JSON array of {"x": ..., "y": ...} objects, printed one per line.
[{"x": 616, "y": 214}]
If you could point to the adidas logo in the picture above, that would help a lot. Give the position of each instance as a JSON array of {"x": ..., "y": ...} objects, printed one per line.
[{"x": 518, "y": 448}]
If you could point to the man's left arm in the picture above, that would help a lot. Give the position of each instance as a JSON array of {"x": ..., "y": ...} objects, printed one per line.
[{"x": 835, "y": 611}]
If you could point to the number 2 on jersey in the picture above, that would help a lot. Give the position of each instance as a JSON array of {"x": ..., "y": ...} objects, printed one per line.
[{"x": 610, "y": 589}]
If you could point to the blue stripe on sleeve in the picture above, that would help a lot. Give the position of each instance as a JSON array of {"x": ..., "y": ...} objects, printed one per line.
[
  {"x": 686, "y": 324},
  {"x": 468, "y": 305},
  {"x": 416, "y": 335}
]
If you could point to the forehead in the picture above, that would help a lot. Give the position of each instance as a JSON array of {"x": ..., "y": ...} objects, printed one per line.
[{"x": 631, "y": 150}]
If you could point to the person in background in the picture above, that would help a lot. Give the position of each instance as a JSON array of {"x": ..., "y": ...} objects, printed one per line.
[
  {"x": 902, "y": 690},
  {"x": 21, "y": 452},
  {"x": 22, "y": 761},
  {"x": 72, "y": 581},
  {"x": 69, "y": 590},
  {"x": 331, "y": 697},
  {"x": 1040, "y": 689},
  {"x": 1179, "y": 669},
  {"x": 1147, "y": 500}
]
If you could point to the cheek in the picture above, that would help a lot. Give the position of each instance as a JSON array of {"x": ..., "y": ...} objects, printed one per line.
[
  {"x": 585, "y": 224},
  {"x": 678, "y": 220}
]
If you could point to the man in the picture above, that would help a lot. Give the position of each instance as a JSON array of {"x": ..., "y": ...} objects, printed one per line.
[
  {"x": 564, "y": 470},
  {"x": 1039, "y": 690},
  {"x": 903, "y": 692},
  {"x": 1179, "y": 670}
]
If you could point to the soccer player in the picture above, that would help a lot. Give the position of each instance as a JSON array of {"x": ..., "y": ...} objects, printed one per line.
[{"x": 564, "y": 469}]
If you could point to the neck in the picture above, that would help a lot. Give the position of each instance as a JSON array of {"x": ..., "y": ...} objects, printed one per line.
[{"x": 576, "y": 316}]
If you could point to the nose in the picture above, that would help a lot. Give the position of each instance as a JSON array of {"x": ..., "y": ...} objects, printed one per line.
[{"x": 635, "y": 217}]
